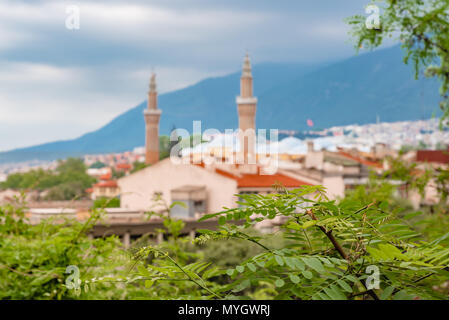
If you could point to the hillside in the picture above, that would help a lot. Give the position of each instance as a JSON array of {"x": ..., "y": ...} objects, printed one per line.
[{"x": 356, "y": 90}]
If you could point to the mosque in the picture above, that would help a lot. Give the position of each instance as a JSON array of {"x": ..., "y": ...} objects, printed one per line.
[{"x": 206, "y": 184}]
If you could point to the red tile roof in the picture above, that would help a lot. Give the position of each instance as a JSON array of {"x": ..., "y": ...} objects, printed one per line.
[
  {"x": 438, "y": 156},
  {"x": 263, "y": 181},
  {"x": 361, "y": 160},
  {"x": 258, "y": 180},
  {"x": 106, "y": 176},
  {"x": 124, "y": 166},
  {"x": 106, "y": 184},
  {"x": 255, "y": 180}
]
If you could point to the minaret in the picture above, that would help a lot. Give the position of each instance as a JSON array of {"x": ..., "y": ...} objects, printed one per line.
[
  {"x": 246, "y": 107},
  {"x": 152, "y": 116}
]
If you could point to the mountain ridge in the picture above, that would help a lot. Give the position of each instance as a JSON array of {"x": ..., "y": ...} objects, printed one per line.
[{"x": 355, "y": 90}]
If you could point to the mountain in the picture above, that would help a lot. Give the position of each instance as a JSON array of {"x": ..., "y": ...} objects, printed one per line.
[{"x": 356, "y": 90}]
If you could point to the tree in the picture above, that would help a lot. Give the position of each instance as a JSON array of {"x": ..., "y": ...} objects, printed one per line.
[
  {"x": 97, "y": 165},
  {"x": 362, "y": 247},
  {"x": 117, "y": 174},
  {"x": 71, "y": 165},
  {"x": 68, "y": 181},
  {"x": 359, "y": 248},
  {"x": 34, "y": 258},
  {"x": 164, "y": 147},
  {"x": 73, "y": 180},
  {"x": 138, "y": 166},
  {"x": 422, "y": 26},
  {"x": 106, "y": 203}
]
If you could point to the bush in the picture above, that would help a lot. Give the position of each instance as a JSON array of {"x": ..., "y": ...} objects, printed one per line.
[
  {"x": 355, "y": 249},
  {"x": 106, "y": 203},
  {"x": 34, "y": 258},
  {"x": 67, "y": 182}
]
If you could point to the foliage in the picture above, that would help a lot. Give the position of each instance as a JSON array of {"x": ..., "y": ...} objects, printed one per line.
[
  {"x": 164, "y": 147},
  {"x": 66, "y": 191},
  {"x": 172, "y": 268},
  {"x": 97, "y": 165},
  {"x": 418, "y": 178},
  {"x": 34, "y": 257},
  {"x": 117, "y": 174},
  {"x": 228, "y": 253},
  {"x": 67, "y": 182},
  {"x": 334, "y": 246},
  {"x": 106, "y": 203},
  {"x": 137, "y": 166},
  {"x": 422, "y": 26},
  {"x": 325, "y": 249},
  {"x": 333, "y": 251}
]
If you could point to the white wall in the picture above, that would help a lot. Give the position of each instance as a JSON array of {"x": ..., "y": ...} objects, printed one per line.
[
  {"x": 314, "y": 160},
  {"x": 335, "y": 186},
  {"x": 137, "y": 190}
]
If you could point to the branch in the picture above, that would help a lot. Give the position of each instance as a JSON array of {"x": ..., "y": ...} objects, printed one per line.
[
  {"x": 339, "y": 248},
  {"x": 190, "y": 278}
]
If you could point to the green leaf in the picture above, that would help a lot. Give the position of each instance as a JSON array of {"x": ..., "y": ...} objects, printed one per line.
[
  {"x": 402, "y": 295},
  {"x": 222, "y": 220},
  {"x": 344, "y": 285},
  {"x": 293, "y": 226},
  {"x": 334, "y": 293},
  {"x": 240, "y": 269},
  {"x": 296, "y": 291},
  {"x": 148, "y": 283},
  {"x": 251, "y": 267},
  {"x": 299, "y": 264},
  {"x": 279, "y": 260},
  {"x": 315, "y": 264},
  {"x": 230, "y": 272},
  {"x": 307, "y": 274},
  {"x": 242, "y": 286},
  {"x": 209, "y": 216},
  {"x": 387, "y": 293},
  {"x": 178, "y": 203},
  {"x": 412, "y": 215},
  {"x": 260, "y": 263},
  {"x": 279, "y": 283},
  {"x": 323, "y": 296},
  {"x": 294, "y": 278},
  {"x": 143, "y": 271},
  {"x": 309, "y": 223},
  {"x": 245, "y": 284},
  {"x": 383, "y": 205},
  {"x": 289, "y": 262},
  {"x": 391, "y": 251}
]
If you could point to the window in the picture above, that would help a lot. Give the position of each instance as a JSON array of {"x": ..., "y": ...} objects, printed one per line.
[{"x": 198, "y": 203}]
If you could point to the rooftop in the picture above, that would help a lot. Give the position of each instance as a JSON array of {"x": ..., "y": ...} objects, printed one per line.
[
  {"x": 435, "y": 156},
  {"x": 263, "y": 181},
  {"x": 106, "y": 184}
]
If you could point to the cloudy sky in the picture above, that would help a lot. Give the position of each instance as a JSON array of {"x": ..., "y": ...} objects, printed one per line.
[{"x": 57, "y": 83}]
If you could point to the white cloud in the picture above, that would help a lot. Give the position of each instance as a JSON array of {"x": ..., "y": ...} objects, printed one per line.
[
  {"x": 52, "y": 78},
  {"x": 42, "y": 102}
]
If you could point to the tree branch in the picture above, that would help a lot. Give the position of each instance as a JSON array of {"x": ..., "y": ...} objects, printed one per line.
[{"x": 339, "y": 248}]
